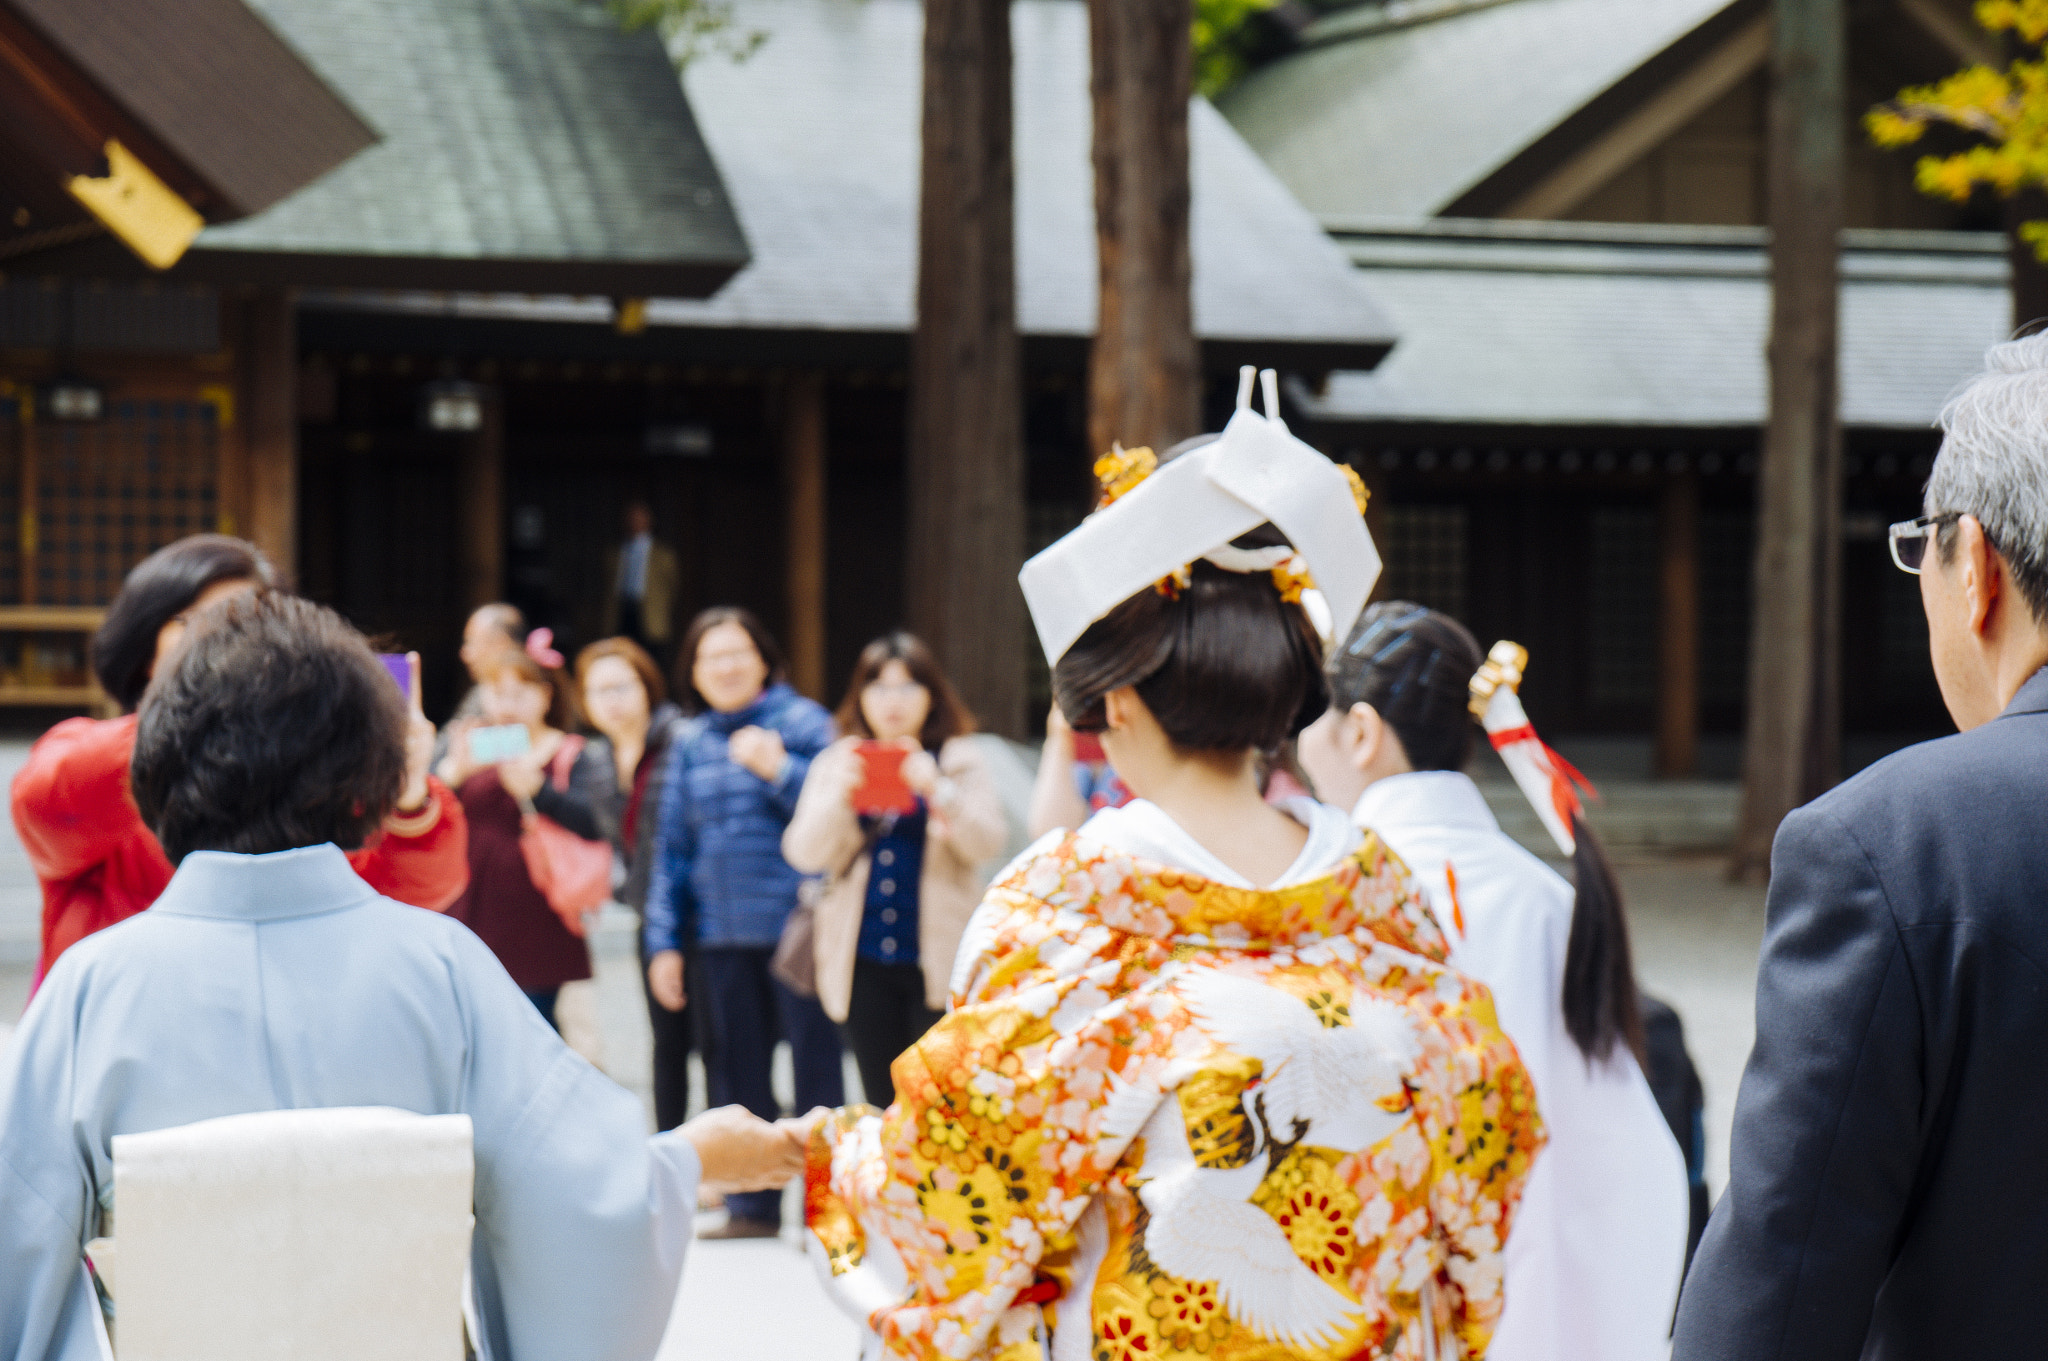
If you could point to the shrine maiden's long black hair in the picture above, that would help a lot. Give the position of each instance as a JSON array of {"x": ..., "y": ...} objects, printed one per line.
[{"x": 1414, "y": 666}]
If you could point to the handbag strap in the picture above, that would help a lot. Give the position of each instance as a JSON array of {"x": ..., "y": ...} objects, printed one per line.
[{"x": 565, "y": 760}]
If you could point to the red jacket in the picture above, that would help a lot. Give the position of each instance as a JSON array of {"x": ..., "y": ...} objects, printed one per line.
[{"x": 99, "y": 864}]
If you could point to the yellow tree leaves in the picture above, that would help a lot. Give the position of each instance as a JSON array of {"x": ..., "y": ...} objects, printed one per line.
[{"x": 2008, "y": 109}]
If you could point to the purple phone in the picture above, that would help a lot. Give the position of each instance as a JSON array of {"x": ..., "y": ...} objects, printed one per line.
[{"x": 399, "y": 664}]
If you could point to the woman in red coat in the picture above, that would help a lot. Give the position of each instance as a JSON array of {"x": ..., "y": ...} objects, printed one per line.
[{"x": 97, "y": 862}]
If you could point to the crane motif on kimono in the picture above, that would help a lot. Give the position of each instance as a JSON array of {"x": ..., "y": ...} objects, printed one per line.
[{"x": 1329, "y": 1076}]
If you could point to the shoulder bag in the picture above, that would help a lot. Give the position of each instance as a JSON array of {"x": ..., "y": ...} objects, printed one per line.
[
  {"x": 573, "y": 874},
  {"x": 795, "y": 962}
]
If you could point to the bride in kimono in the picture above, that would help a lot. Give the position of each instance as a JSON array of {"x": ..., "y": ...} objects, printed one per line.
[
  {"x": 1594, "y": 1266},
  {"x": 1206, "y": 1083}
]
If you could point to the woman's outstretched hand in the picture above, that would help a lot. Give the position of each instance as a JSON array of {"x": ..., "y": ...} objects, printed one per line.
[{"x": 739, "y": 1151}]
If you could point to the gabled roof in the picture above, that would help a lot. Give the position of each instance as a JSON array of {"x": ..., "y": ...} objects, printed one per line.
[
  {"x": 201, "y": 92},
  {"x": 1580, "y": 324},
  {"x": 1398, "y": 111},
  {"x": 818, "y": 137},
  {"x": 527, "y": 144}
]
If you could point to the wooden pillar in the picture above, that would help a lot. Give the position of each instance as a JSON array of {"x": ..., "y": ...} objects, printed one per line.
[
  {"x": 29, "y": 534},
  {"x": 803, "y": 496},
  {"x": 2029, "y": 275},
  {"x": 480, "y": 490},
  {"x": 1791, "y": 748},
  {"x": 267, "y": 360},
  {"x": 1678, "y": 628}
]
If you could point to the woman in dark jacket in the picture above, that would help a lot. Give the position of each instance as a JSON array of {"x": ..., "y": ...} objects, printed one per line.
[
  {"x": 720, "y": 887},
  {"x": 623, "y": 697},
  {"x": 502, "y": 904}
]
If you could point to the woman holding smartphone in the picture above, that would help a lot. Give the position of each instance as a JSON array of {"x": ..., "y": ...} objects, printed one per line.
[
  {"x": 623, "y": 697},
  {"x": 720, "y": 886},
  {"x": 521, "y": 755},
  {"x": 902, "y": 880},
  {"x": 97, "y": 862}
]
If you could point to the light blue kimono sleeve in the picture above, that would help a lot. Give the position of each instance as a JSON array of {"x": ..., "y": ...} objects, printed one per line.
[
  {"x": 583, "y": 1220},
  {"x": 48, "y": 1204}
]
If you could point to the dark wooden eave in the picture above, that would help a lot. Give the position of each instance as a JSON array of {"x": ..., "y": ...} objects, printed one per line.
[{"x": 202, "y": 91}]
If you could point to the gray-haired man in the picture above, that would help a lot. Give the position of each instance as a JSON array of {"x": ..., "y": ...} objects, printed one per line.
[{"x": 1888, "y": 1197}]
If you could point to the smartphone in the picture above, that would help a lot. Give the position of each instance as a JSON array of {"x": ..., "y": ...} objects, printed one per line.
[
  {"x": 488, "y": 745},
  {"x": 1088, "y": 748},
  {"x": 882, "y": 789},
  {"x": 399, "y": 664}
]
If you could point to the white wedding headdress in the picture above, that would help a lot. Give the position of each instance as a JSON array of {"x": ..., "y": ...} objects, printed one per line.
[{"x": 1192, "y": 507}]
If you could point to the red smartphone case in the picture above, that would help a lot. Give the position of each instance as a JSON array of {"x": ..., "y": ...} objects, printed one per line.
[{"x": 881, "y": 789}]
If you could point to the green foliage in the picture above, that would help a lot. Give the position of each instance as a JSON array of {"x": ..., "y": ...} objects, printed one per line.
[
  {"x": 1220, "y": 36},
  {"x": 690, "y": 28},
  {"x": 2008, "y": 109}
]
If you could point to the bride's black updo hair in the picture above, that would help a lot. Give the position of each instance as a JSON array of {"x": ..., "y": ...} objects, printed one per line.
[{"x": 1226, "y": 665}]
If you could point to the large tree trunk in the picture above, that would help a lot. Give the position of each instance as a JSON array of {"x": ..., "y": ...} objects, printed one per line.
[
  {"x": 1792, "y": 739},
  {"x": 1144, "y": 375},
  {"x": 966, "y": 465}
]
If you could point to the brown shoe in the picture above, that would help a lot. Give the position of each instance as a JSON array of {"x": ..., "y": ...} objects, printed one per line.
[{"x": 744, "y": 1228}]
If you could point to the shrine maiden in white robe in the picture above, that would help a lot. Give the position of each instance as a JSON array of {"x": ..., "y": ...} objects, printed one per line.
[
  {"x": 1593, "y": 1264},
  {"x": 283, "y": 981}
]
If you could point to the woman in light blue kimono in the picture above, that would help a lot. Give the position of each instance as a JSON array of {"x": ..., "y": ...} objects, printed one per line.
[{"x": 269, "y": 976}]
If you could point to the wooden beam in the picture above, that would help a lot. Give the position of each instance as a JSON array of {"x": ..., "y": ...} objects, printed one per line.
[
  {"x": 803, "y": 497},
  {"x": 1664, "y": 113},
  {"x": 267, "y": 362},
  {"x": 1678, "y": 628},
  {"x": 480, "y": 487},
  {"x": 1962, "y": 39}
]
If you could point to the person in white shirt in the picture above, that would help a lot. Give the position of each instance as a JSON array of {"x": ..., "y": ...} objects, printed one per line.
[{"x": 1593, "y": 1266}]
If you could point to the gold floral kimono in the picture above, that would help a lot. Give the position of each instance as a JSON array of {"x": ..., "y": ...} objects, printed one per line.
[{"x": 1168, "y": 1116}]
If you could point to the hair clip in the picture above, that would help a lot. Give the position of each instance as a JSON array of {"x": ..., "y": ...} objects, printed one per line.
[
  {"x": 1121, "y": 470},
  {"x": 1291, "y": 578},
  {"x": 539, "y": 646},
  {"x": 1360, "y": 493}
]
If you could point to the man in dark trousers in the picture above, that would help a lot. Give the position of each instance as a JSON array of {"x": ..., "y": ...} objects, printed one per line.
[{"x": 1888, "y": 1196}]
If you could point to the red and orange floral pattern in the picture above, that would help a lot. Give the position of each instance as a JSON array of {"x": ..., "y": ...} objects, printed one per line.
[{"x": 1168, "y": 1117}]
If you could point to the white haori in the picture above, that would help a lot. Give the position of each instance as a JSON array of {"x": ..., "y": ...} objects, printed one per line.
[{"x": 1592, "y": 1267}]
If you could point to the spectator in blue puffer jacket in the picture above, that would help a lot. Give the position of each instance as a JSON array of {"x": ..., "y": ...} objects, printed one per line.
[{"x": 721, "y": 889}]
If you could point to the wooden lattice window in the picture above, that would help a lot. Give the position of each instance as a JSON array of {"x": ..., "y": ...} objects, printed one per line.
[
  {"x": 1424, "y": 552},
  {"x": 108, "y": 493}
]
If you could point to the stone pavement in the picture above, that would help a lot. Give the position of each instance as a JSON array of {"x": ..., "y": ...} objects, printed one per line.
[{"x": 1696, "y": 941}]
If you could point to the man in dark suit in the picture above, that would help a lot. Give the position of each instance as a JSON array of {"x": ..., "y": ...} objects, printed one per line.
[{"x": 1888, "y": 1195}]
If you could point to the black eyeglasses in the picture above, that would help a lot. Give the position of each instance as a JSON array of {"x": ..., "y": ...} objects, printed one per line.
[{"x": 1909, "y": 539}]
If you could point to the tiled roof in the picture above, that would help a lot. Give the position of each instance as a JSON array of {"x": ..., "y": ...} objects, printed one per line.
[
  {"x": 1400, "y": 116},
  {"x": 1517, "y": 323},
  {"x": 527, "y": 144},
  {"x": 817, "y": 134}
]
